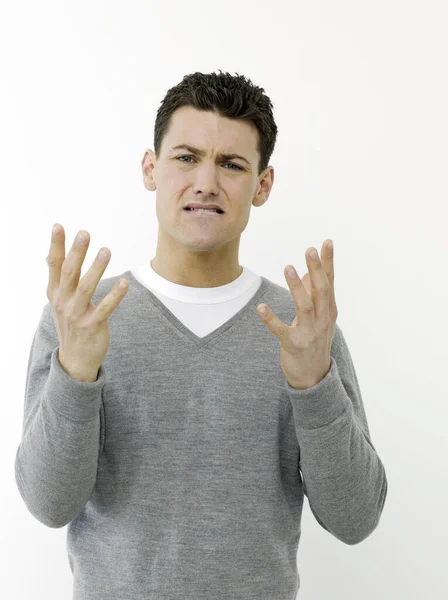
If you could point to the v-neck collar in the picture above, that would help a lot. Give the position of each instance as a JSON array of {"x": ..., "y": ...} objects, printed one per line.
[{"x": 187, "y": 333}]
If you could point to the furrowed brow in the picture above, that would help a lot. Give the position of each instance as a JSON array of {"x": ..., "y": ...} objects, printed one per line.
[{"x": 199, "y": 152}]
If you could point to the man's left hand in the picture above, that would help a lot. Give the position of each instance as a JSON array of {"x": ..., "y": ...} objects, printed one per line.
[{"x": 305, "y": 346}]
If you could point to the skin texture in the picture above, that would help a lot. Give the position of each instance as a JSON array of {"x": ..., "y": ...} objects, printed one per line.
[{"x": 197, "y": 250}]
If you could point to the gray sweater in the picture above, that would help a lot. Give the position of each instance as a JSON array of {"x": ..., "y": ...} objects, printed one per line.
[{"x": 181, "y": 471}]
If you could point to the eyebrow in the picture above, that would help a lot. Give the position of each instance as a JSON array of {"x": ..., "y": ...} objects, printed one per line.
[{"x": 200, "y": 152}]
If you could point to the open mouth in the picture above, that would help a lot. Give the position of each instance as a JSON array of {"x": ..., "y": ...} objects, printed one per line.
[{"x": 205, "y": 211}]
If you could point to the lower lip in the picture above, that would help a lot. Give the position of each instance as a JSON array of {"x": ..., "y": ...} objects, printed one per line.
[{"x": 203, "y": 213}]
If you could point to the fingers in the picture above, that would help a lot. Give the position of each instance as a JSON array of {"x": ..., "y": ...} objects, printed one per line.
[
  {"x": 320, "y": 284},
  {"x": 71, "y": 267},
  {"x": 55, "y": 258},
  {"x": 110, "y": 302},
  {"x": 65, "y": 272},
  {"x": 304, "y": 303},
  {"x": 88, "y": 284},
  {"x": 311, "y": 300}
]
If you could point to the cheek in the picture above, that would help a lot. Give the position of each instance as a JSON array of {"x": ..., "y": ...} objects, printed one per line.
[
  {"x": 176, "y": 183},
  {"x": 172, "y": 190}
]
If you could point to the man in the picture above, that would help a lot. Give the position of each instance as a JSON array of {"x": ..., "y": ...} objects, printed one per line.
[{"x": 180, "y": 458}]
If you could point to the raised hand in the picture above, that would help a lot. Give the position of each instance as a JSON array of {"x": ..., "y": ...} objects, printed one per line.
[
  {"x": 83, "y": 328},
  {"x": 305, "y": 346}
]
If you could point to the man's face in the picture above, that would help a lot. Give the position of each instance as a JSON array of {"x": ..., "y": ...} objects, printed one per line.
[{"x": 181, "y": 176}]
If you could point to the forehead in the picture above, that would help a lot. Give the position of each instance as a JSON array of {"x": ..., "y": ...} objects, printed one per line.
[{"x": 207, "y": 128}]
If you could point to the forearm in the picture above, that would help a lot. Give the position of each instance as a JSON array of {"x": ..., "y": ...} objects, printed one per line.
[{"x": 56, "y": 462}]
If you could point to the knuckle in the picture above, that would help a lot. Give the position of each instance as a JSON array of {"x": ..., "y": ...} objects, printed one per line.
[
  {"x": 281, "y": 329},
  {"x": 71, "y": 318},
  {"x": 307, "y": 308},
  {"x": 102, "y": 312},
  {"x": 83, "y": 287},
  {"x": 69, "y": 269},
  {"x": 313, "y": 339},
  {"x": 52, "y": 261},
  {"x": 58, "y": 305}
]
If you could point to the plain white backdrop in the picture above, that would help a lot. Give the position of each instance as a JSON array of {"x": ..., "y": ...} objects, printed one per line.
[{"x": 361, "y": 101}]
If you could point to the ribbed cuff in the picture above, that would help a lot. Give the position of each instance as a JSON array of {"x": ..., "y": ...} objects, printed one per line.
[
  {"x": 322, "y": 403},
  {"x": 76, "y": 400}
]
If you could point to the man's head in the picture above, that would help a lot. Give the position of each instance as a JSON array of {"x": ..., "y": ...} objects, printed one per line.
[{"x": 217, "y": 114}]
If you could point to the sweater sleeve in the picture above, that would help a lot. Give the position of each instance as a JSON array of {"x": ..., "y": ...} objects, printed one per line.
[
  {"x": 56, "y": 461},
  {"x": 343, "y": 476}
]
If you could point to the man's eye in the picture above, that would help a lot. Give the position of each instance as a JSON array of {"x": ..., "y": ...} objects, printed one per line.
[{"x": 233, "y": 165}]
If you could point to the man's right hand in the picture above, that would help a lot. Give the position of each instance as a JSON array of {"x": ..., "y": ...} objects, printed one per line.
[{"x": 83, "y": 328}]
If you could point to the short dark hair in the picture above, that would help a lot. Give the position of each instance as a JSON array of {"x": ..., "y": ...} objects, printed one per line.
[{"x": 234, "y": 97}]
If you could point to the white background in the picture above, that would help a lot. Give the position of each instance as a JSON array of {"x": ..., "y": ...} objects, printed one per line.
[{"x": 360, "y": 99}]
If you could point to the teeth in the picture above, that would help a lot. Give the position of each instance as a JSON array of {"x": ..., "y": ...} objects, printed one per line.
[{"x": 205, "y": 209}]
